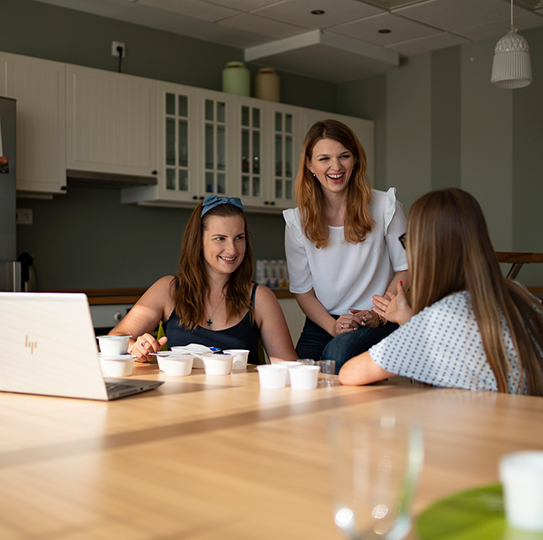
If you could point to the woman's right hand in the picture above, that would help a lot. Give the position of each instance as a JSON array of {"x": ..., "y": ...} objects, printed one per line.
[
  {"x": 144, "y": 345},
  {"x": 344, "y": 324},
  {"x": 393, "y": 307}
]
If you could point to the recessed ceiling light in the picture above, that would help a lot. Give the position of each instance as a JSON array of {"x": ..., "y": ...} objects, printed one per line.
[
  {"x": 318, "y": 12},
  {"x": 384, "y": 31}
]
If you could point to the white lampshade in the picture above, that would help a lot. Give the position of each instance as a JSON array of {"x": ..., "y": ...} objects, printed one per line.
[{"x": 511, "y": 67}]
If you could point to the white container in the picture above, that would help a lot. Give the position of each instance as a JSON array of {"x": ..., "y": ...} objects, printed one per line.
[
  {"x": 113, "y": 344},
  {"x": 304, "y": 377},
  {"x": 176, "y": 365},
  {"x": 288, "y": 364},
  {"x": 267, "y": 84},
  {"x": 521, "y": 474},
  {"x": 272, "y": 375},
  {"x": 240, "y": 357},
  {"x": 218, "y": 364},
  {"x": 117, "y": 366}
]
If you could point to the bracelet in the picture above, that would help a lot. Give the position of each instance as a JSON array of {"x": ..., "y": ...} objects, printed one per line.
[{"x": 382, "y": 320}]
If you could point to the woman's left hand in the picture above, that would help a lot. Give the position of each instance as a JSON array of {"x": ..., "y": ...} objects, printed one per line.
[{"x": 365, "y": 318}]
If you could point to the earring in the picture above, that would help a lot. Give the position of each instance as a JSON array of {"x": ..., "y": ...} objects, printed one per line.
[{"x": 314, "y": 175}]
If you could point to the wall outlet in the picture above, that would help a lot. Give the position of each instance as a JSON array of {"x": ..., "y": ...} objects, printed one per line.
[
  {"x": 24, "y": 216},
  {"x": 115, "y": 45}
]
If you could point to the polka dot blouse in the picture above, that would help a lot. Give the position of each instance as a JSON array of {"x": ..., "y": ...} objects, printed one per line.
[{"x": 442, "y": 346}]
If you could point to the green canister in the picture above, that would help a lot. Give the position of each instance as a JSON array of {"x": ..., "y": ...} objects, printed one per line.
[{"x": 236, "y": 79}]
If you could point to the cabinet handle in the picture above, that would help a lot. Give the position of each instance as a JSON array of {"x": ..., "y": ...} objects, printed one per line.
[
  {"x": 266, "y": 202},
  {"x": 272, "y": 203},
  {"x": 63, "y": 188},
  {"x": 195, "y": 197},
  {"x": 202, "y": 197},
  {"x": 154, "y": 172}
]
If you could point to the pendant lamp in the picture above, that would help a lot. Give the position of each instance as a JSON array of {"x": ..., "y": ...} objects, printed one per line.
[{"x": 511, "y": 67}]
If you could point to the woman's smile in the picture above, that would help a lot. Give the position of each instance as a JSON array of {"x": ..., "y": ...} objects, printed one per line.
[
  {"x": 332, "y": 164},
  {"x": 224, "y": 244}
]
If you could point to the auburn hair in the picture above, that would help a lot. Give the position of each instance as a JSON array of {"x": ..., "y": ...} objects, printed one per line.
[
  {"x": 309, "y": 192},
  {"x": 190, "y": 287},
  {"x": 449, "y": 250}
]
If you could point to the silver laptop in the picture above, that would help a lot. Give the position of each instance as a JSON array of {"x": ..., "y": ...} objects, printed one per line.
[{"x": 49, "y": 348}]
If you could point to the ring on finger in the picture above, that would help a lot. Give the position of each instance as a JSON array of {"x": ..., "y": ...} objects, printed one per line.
[
  {"x": 365, "y": 320},
  {"x": 342, "y": 327},
  {"x": 143, "y": 343}
]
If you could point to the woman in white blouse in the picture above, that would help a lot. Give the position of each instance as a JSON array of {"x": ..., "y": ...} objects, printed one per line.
[
  {"x": 342, "y": 246},
  {"x": 467, "y": 327}
]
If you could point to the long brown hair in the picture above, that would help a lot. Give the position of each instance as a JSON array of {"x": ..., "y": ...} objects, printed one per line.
[
  {"x": 190, "y": 286},
  {"x": 309, "y": 194},
  {"x": 449, "y": 250}
]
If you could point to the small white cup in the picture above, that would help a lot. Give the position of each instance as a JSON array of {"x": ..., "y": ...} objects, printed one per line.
[
  {"x": 521, "y": 474},
  {"x": 272, "y": 375},
  {"x": 120, "y": 365},
  {"x": 240, "y": 357},
  {"x": 176, "y": 365},
  {"x": 288, "y": 363},
  {"x": 113, "y": 344},
  {"x": 218, "y": 364},
  {"x": 304, "y": 377}
]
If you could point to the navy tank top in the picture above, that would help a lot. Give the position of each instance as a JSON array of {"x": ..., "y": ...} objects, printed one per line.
[{"x": 244, "y": 335}]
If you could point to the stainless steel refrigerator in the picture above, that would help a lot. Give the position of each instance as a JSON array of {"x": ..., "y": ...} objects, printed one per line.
[{"x": 10, "y": 269}]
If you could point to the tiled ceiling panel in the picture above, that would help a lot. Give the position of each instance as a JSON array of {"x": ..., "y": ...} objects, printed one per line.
[
  {"x": 415, "y": 27},
  {"x": 385, "y": 29},
  {"x": 192, "y": 8},
  {"x": 268, "y": 28},
  {"x": 452, "y": 15},
  {"x": 335, "y": 12}
]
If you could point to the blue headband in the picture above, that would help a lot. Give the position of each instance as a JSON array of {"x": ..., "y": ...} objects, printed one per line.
[{"x": 211, "y": 201}]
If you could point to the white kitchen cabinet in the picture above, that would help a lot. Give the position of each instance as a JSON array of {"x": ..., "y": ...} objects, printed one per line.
[
  {"x": 177, "y": 150},
  {"x": 195, "y": 148},
  {"x": 39, "y": 88},
  {"x": 111, "y": 122},
  {"x": 363, "y": 129},
  {"x": 267, "y": 144},
  {"x": 214, "y": 115}
]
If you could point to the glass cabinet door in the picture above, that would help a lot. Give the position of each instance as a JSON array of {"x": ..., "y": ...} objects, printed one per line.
[
  {"x": 284, "y": 157},
  {"x": 177, "y": 143},
  {"x": 215, "y": 147},
  {"x": 251, "y": 151}
]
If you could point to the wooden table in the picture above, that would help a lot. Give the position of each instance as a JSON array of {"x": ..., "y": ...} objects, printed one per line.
[{"x": 216, "y": 458}]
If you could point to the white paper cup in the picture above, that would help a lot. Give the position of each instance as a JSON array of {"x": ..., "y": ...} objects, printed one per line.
[
  {"x": 117, "y": 366},
  {"x": 521, "y": 474},
  {"x": 272, "y": 375},
  {"x": 240, "y": 357},
  {"x": 113, "y": 344},
  {"x": 304, "y": 377},
  {"x": 288, "y": 363},
  {"x": 218, "y": 364},
  {"x": 176, "y": 365}
]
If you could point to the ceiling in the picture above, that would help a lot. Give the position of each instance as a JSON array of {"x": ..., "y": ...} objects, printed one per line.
[{"x": 349, "y": 40}]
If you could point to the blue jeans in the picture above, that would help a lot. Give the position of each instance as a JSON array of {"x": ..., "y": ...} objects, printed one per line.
[{"x": 317, "y": 343}]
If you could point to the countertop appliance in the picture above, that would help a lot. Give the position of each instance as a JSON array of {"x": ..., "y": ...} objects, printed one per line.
[{"x": 10, "y": 268}]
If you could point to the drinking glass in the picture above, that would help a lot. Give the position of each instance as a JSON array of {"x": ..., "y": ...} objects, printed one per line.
[
  {"x": 375, "y": 470},
  {"x": 328, "y": 372}
]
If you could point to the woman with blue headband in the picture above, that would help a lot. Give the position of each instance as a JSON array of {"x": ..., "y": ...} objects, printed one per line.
[{"x": 212, "y": 299}]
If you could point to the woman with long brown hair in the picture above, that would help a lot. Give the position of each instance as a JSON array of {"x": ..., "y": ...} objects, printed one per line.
[
  {"x": 467, "y": 327},
  {"x": 212, "y": 299},
  {"x": 341, "y": 245}
]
